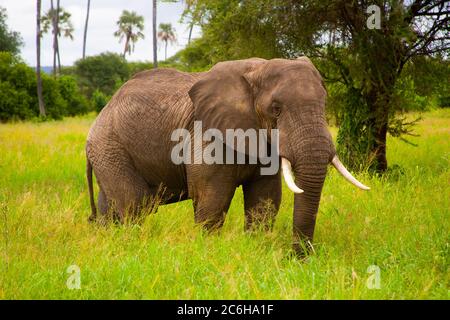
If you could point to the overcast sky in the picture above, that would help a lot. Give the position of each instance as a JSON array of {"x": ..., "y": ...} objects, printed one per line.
[{"x": 102, "y": 24}]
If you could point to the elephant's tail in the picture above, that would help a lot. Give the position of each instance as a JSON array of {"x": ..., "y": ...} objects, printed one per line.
[{"x": 91, "y": 190}]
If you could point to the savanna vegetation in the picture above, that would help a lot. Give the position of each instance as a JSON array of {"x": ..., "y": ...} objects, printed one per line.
[
  {"x": 388, "y": 94},
  {"x": 400, "y": 226}
]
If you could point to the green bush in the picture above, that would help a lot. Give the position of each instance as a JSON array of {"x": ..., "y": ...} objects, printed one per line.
[
  {"x": 76, "y": 102},
  {"x": 135, "y": 67},
  {"x": 99, "y": 100},
  {"x": 406, "y": 98},
  {"x": 105, "y": 72},
  {"x": 55, "y": 105},
  {"x": 17, "y": 80},
  {"x": 18, "y": 94},
  {"x": 15, "y": 103},
  {"x": 444, "y": 102},
  {"x": 195, "y": 57}
]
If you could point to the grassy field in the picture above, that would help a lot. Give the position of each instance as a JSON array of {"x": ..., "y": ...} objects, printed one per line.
[{"x": 400, "y": 228}]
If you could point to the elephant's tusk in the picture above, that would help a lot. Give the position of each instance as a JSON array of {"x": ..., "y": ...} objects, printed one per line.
[
  {"x": 288, "y": 177},
  {"x": 347, "y": 175}
]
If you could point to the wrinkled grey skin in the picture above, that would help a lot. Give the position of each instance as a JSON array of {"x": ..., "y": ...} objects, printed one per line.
[{"x": 129, "y": 144}]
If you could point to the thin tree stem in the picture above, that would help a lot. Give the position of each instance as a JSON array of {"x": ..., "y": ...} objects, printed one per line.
[
  {"x": 38, "y": 59},
  {"x": 86, "y": 28}
]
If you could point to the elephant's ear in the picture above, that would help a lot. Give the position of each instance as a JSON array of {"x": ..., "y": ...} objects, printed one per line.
[{"x": 223, "y": 98}]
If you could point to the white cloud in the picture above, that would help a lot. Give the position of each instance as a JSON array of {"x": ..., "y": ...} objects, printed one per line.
[{"x": 102, "y": 24}]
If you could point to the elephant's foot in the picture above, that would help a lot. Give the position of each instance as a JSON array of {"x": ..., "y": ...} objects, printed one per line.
[{"x": 303, "y": 249}]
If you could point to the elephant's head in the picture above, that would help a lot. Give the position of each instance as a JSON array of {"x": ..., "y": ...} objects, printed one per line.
[{"x": 285, "y": 94}]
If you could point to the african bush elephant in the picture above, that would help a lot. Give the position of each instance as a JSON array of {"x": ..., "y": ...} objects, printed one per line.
[{"x": 129, "y": 145}]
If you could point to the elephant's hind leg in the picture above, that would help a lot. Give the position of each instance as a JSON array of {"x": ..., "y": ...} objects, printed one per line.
[
  {"x": 128, "y": 198},
  {"x": 107, "y": 212},
  {"x": 123, "y": 191}
]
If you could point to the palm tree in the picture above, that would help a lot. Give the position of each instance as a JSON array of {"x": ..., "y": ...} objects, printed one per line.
[
  {"x": 166, "y": 34},
  {"x": 86, "y": 28},
  {"x": 38, "y": 59},
  {"x": 128, "y": 22},
  {"x": 155, "y": 48},
  {"x": 59, "y": 20},
  {"x": 189, "y": 4}
]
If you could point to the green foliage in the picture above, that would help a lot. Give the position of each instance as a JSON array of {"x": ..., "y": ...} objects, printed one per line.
[
  {"x": 406, "y": 97},
  {"x": 55, "y": 105},
  {"x": 18, "y": 97},
  {"x": 15, "y": 103},
  {"x": 99, "y": 100},
  {"x": 10, "y": 41},
  {"x": 235, "y": 29},
  {"x": 353, "y": 59},
  {"x": 76, "y": 102},
  {"x": 355, "y": 137},
  {"x": 430, "y": 76},
  {"x": 197, "y": 56},
  {"x": 65, "y": 26},
  {"x": 105, "y": 72},
  {"x": 135, "y": 67},
  {"x": 444, "y": 101}
]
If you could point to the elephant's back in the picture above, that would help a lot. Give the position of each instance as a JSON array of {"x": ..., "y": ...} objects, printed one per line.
[{"x": 144, "y": 113}]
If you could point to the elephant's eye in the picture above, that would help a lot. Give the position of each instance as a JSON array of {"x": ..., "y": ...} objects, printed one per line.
[{"x": 276, "y": 109}]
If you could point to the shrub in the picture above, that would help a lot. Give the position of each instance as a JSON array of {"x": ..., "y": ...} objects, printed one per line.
[
  {"x": 18, "y": 94},
  {"x": 14, "y": 104},
  {"x": 105, "y": 72},
  {"x": 444, "y": 102},
  {"x": 135, "y": 67},
  {"x": 55, "y": 105},
  {"x": 16, "y": 81},
  {"x": 76, "y": 102},
  {"x": 99, "y": 100}
]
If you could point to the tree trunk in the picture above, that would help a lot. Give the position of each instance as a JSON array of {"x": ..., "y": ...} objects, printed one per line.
[
  {"x": 165, "y": 51},
  {"x": 55, "y": 36},
  {"x": 155, "y": 57},
  {"x": 58, "y": 56},
  {"x": 363, "y": 129},
  {"x": 380, "y": 148},
  {"x": 127, "y": 41},
  {"x": 378, "y": 102},
  {"x": 38, "y": 59},
  {"x": 86, "y": 28},
  {"x": 190, "y": 32}
]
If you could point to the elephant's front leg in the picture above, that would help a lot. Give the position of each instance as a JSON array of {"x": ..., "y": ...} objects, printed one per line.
[
  {"x": 262, "y": 197},
  {"x": 211, "y": 203}
]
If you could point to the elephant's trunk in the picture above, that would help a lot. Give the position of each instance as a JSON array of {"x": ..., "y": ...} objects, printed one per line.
[
  {"x": 308, "y": 150},
  {"x": 310, "y": 171},
  {"x": 306, "y": 206}
]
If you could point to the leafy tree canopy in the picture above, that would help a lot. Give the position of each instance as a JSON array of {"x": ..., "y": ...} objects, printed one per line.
[
  {"x": 10, "y": 41},
  {"x": 361, "y": 48},
  {"x": 105, "y": 72}
]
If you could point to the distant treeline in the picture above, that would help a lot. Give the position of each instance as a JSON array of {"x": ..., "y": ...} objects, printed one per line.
[{"x": 86, "y": 86}]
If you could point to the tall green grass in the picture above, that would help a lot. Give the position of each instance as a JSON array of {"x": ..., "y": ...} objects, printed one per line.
[{"x": 401, "y": 226}]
